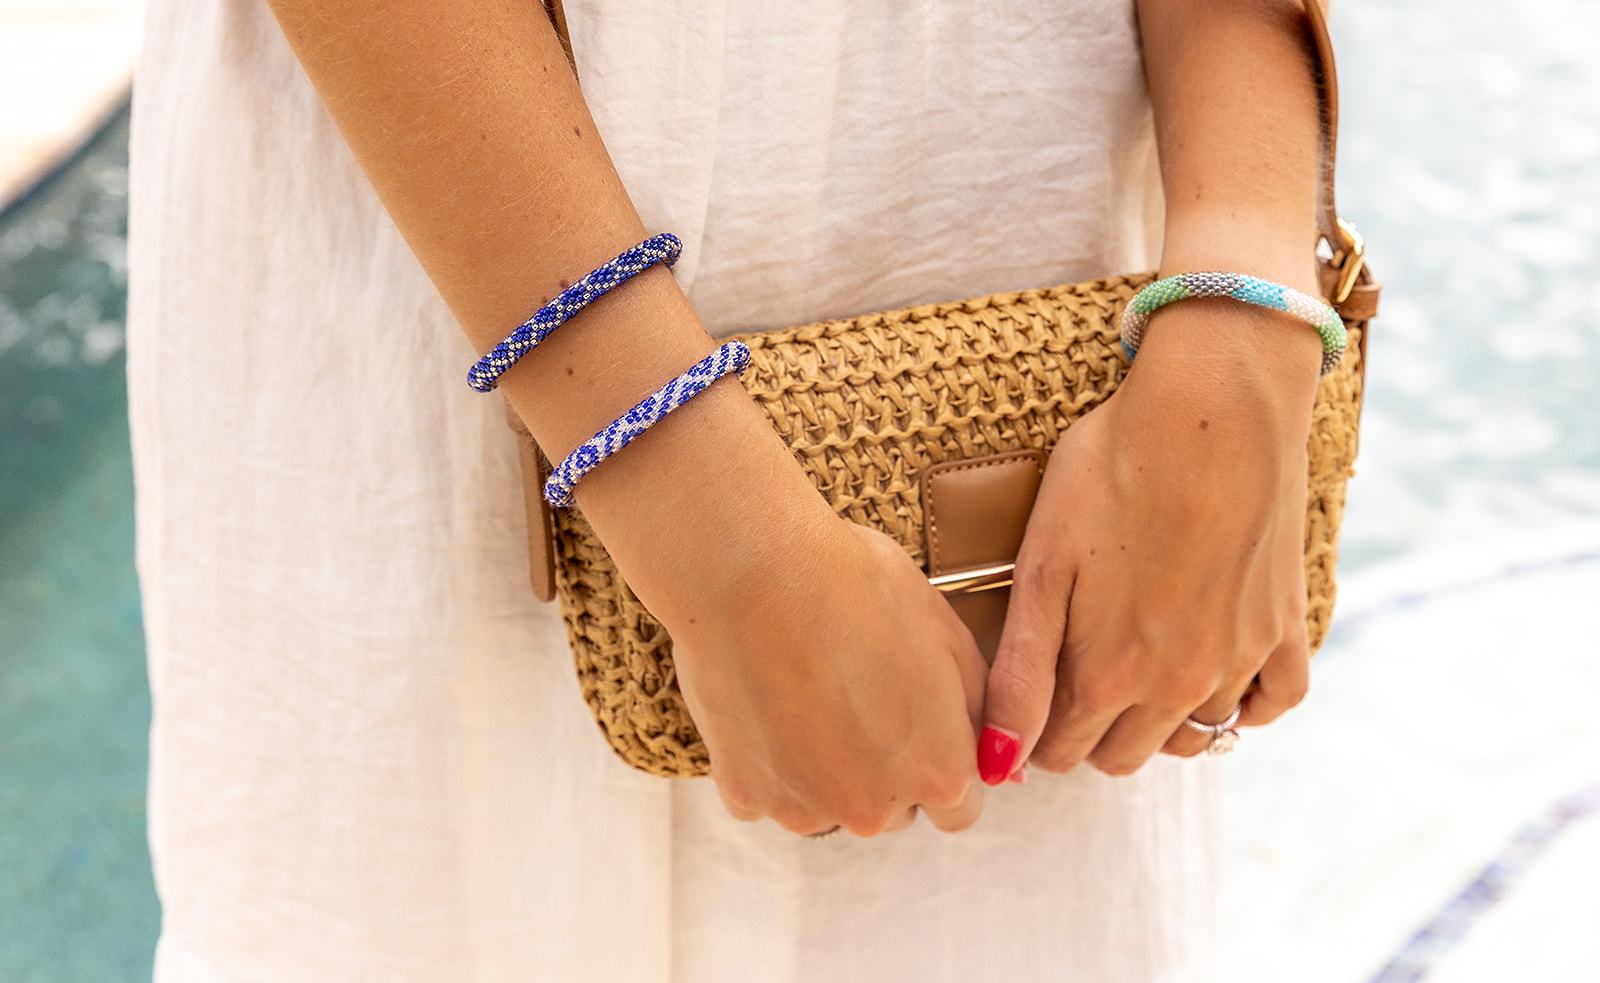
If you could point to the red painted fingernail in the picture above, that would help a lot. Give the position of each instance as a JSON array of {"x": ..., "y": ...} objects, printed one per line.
[{"x": 997, "y": 753}]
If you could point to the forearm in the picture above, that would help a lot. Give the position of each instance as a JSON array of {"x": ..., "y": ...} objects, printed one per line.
[
  {"x": 1237, "y": 129},
  {"x": 470, "y": 126},
  {"x": 1235, "y": 109}
]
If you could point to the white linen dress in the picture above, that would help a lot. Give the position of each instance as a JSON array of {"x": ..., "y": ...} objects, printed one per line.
[{"x": 369, "y": 759}]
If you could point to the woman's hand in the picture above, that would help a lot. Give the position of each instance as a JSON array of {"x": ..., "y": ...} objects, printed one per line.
[
  {"x": 836, "y": 689},
  {"x": 1162, "y": 572},
  {"x": 832, "y": 684}
]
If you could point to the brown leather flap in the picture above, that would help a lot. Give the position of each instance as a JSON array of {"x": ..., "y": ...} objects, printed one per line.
[{"x": 974, "y": 512}]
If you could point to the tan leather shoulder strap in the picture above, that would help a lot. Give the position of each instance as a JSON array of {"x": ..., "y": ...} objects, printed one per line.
[
  {"x": 1349, "y": 251},
  {"x": 1327, "y": 82},
  {"x": 558, "y": 20}
]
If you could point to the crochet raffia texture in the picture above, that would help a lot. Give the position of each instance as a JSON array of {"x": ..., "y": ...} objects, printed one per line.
[{"x": 868, "y": 403}]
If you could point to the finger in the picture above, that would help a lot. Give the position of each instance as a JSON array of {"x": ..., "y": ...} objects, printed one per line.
[
  {"x": 1186, "y": 742},
  {"x": 973, "y": 669},
  {"x": 956, "y": 818},
  {"x": 1280, "y": 684},
  {"x": 1134, "y": 738},
  {"x": 1022, "y": 681},
  {"x": 1082, "y": 716},
  {"x": 902, "y": 821},
  {"x": 739, "y": 804},
  {"x": 801, "y": 822},
  {"x": 869, "y": 817},
  {"x": 740, "y": 812}
]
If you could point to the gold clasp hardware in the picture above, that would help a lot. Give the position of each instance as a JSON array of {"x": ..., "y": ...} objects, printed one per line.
[
  {"x": 973, "y": 581},
  {"x": 1348, "y": 258}
]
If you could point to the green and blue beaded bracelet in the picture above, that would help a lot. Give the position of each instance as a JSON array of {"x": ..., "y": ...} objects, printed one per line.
[{"x": 1238, "y": 286}]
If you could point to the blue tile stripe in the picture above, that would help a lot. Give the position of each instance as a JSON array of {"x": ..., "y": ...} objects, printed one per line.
[{"x": 1488, "y": 887}]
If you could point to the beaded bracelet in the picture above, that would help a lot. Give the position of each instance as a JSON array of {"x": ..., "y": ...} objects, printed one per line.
[
  {"x": 486, "y": 372},
  {"x": 1239, "y": 286},
  {"x": 733, "y": 356}
]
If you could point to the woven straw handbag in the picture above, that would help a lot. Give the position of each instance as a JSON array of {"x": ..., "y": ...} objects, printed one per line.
[{"x": 932, "y": 424}]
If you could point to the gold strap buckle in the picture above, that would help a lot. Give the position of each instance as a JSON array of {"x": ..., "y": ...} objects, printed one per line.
[
  {"x": 973, "y": 581},
  {"x": 1348, "y": 258}
]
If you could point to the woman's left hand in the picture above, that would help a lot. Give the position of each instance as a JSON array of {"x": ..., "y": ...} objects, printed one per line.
[{"x": 1162, "y": 573}]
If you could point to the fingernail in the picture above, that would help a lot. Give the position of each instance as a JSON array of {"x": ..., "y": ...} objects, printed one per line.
[
  {"x": 1021, "y": 777},
  {"x": 997, "y": 753}
]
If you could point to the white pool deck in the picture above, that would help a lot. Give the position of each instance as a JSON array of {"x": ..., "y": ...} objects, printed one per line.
[
  {"x": 1453, "y": 709},
  {"x": 64, "y": 65}
]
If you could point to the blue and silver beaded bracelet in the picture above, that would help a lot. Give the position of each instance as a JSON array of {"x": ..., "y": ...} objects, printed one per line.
[
  {"x": 733, "y": 356},
  {"x": 486, "y": 372},
  {"x": 1239, "y": 286}
]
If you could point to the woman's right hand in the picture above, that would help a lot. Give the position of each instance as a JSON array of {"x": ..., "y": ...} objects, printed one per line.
[
  {"x": 832, "y": 685},
  {"x": 839, "y": 689}
]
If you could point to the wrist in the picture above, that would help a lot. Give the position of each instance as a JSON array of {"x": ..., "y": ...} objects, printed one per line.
[
  {"x": 1266, "y": 243},
  {"x": 1227, "y": 370},
  {"x": 1221, "y": 350},
  {"x": 624, "y": 345},
  {"x": 706, "y": 504}
]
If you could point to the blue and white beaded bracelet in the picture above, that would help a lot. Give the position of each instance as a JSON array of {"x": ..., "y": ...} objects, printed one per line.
[
  {"x": 733, "y": 356},
  {"x": 1239, "y": 286},
  {"x": 486, "y": 372}
]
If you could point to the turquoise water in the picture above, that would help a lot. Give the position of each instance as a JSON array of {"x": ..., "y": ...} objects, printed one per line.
[
  {"x": 1472, "y": 163},
  {"x": 76, "y": 898}
]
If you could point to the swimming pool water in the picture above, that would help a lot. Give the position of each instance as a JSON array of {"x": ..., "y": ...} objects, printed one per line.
[{"x": 76, "y": 898}]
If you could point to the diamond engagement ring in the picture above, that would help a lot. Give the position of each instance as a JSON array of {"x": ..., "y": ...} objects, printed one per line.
[{"x": 1223, "y": 737}]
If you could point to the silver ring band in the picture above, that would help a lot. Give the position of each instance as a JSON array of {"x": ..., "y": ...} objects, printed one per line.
[
  {"x": 1223, "y": 737},
  {"x": 824, "y": 834},
  {"x": 1215, "y": 729}
]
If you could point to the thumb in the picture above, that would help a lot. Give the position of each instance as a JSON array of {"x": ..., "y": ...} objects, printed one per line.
[{"x": 1022, "y": 681}]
